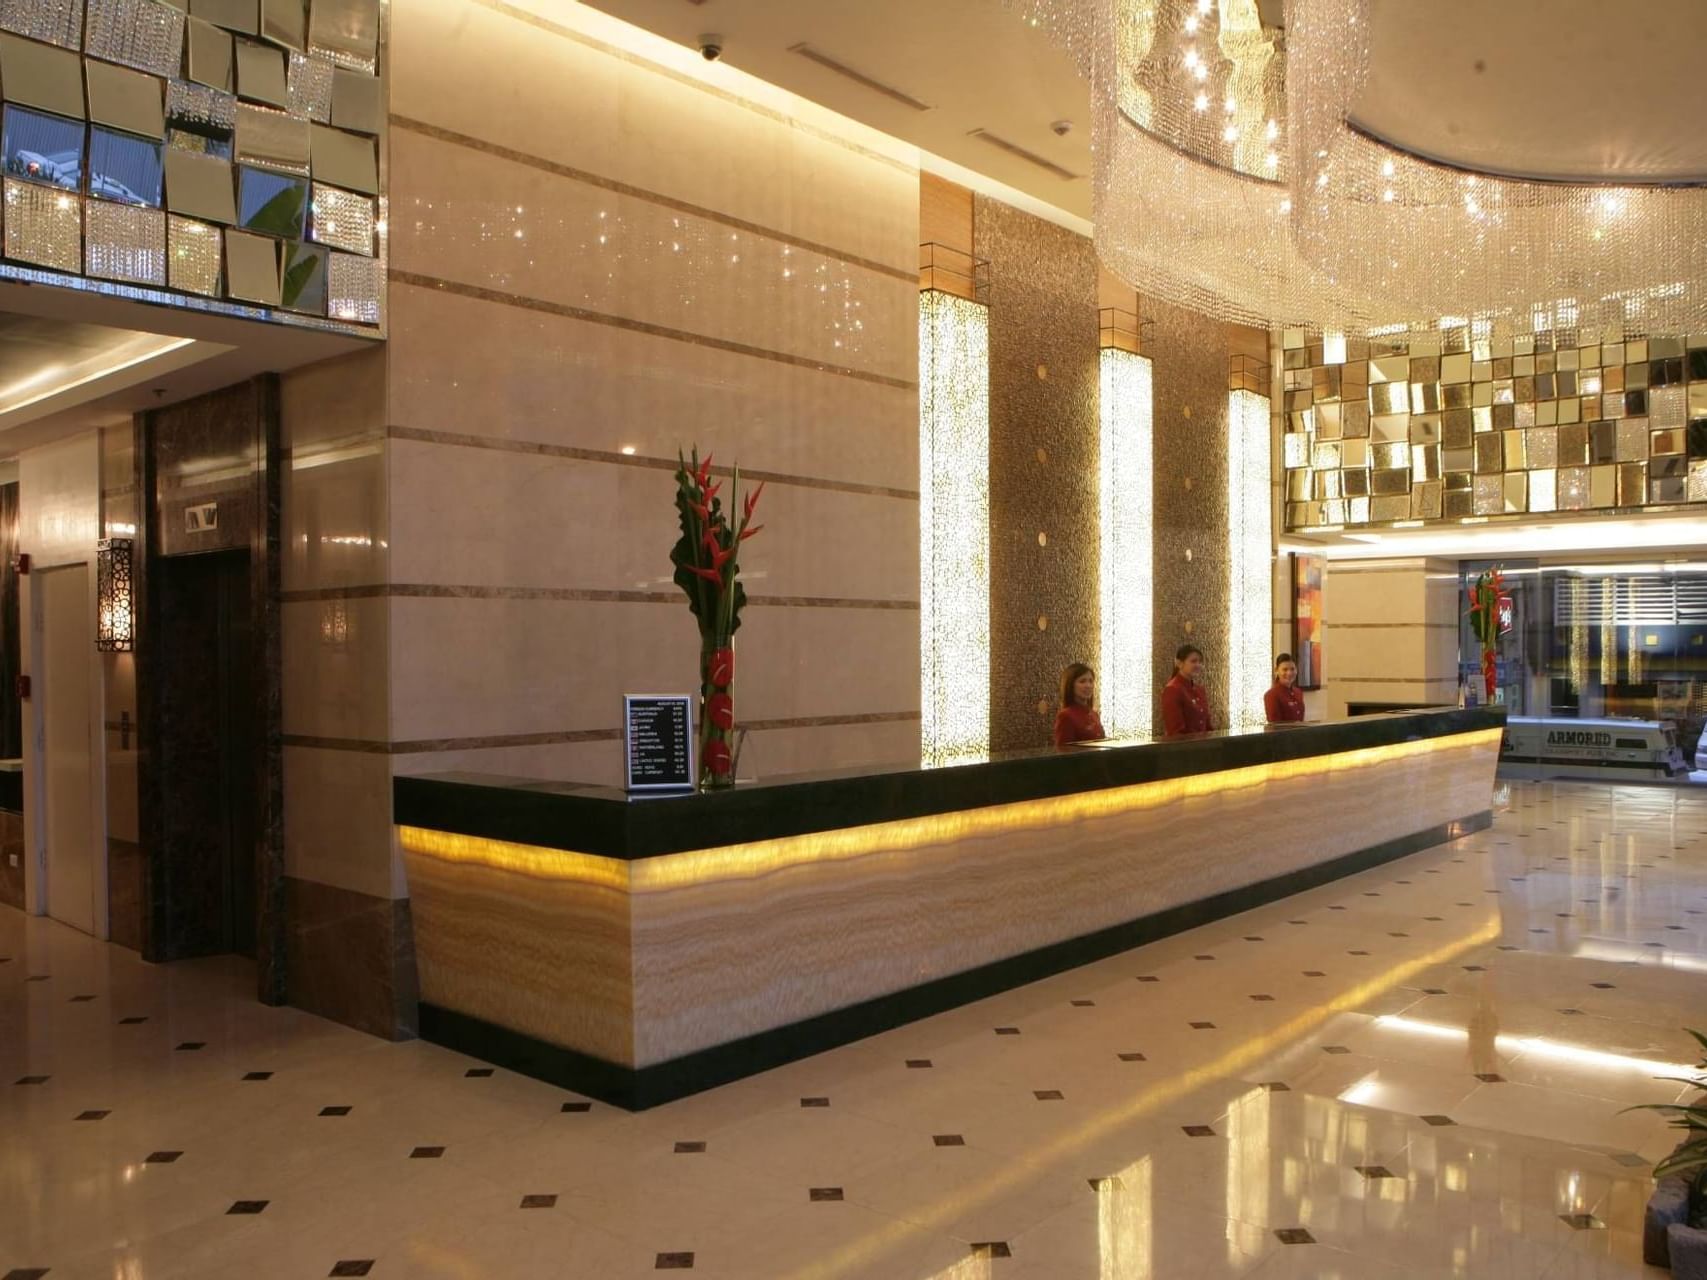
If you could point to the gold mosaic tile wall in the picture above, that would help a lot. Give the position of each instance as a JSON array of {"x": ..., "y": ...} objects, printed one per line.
[
  {"x": 1448, "y": 425},
  {"x": 220, "y": 154},
  {"x": 1044, "y": 532}
]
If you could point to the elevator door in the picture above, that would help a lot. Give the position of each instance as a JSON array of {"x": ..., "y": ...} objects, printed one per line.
[
  {"x": 64, "y": 656},
  {"x": 204, "y": 654}
]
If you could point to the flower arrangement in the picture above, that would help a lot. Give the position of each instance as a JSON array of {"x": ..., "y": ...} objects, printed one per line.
[
  {"x": 707, "y": 560},
  {"x": 1488, "y": 599}
]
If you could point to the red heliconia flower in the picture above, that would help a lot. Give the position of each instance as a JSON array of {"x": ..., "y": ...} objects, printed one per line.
[
  {"x": 717, "y": 757},
  {"x": 753, "y": 500},
  {"x": 710, "y": 575},
  {"x": 747, "y": 533},
  {"x": 720, "y": 710},
  {"x": 720, "y": 555},
  {"x": 720, "y": 668},
  {"x": 703, "y": 475},
  {"x": 702, "y": 510}
]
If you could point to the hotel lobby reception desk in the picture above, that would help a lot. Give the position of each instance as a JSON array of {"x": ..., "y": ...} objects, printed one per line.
[{"x": 640, "y": 948}]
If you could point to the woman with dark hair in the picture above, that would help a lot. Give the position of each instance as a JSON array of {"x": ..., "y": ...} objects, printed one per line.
[
  {"x": 1185, "y": 705},
  {"x": 1077, "y": 720},
  {"x": 1284, "y": 702}
]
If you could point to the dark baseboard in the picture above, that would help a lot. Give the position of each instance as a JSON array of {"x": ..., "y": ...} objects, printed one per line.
[{"x": 637, "y": 1090}]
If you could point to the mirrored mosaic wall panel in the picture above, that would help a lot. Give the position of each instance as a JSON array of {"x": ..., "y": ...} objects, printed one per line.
[
  {"x": 210, "y": 152},
  {"x": 1449, "y": 425}
]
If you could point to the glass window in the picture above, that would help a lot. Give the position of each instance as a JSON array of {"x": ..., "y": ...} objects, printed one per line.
[
  {"x": 124, "y": 167},
  {"x": 42, "y": 148}
]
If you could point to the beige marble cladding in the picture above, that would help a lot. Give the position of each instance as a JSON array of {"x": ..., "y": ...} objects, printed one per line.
[
  {"x": 338, "y": 820},
  {"x": 333, "y": 420},
  {"x": 510, "y": 375},
  {"x": 727, "y": 943},
  {"x": 509, "y": 519},
  {"x": 700, "y": 259},
  {"x": 1395, "y": 632},
  {"x": 486, "y": 221},
  {"x": 483, "y": 666},
  {"x": 510, "y": 78}
]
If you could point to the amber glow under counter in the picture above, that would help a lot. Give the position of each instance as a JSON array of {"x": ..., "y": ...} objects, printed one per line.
[{"x": 663, "y": 956}]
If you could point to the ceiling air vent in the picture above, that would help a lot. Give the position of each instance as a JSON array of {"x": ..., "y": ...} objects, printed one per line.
[
  {"x": 858, "y": 77},
  {"x": 1030, "y": 157}
]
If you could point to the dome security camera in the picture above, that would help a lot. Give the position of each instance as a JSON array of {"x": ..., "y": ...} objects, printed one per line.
[{"x": 711, "y": 48}]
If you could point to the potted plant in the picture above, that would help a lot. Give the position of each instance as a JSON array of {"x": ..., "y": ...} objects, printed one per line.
[
  {"x": 707, "y": 559},
  {"x": 1487, "y": 604},
  {"x": 1674, "y": 1233}
]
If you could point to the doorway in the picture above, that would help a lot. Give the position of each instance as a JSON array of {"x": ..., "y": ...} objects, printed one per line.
[
  {"x": 64, "y": 635},
  {"x": 209, "y": 764}
]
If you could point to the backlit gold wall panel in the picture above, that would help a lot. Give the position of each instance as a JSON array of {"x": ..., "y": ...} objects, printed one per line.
[
  {"x": 1452, "y": 425},
  {"x": 724, "y": 943}
]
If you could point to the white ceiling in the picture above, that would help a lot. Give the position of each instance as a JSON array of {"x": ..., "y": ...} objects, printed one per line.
[
  {"x": 972, "y": 62},
  {"x": 1547, "y": 88},
  {"x": 1552, "y": 88}
]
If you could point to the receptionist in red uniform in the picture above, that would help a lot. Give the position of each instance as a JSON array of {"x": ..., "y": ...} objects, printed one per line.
[
  {"x": 1284, "y": 701},
  {"x": 1077, "y": 720},
  {"x": 1185, "y": 703}
]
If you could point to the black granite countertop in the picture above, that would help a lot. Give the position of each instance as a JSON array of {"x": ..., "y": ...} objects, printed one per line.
[{"x": 613, "y": 823}]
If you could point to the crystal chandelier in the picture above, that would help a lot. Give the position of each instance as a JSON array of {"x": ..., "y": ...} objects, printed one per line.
[{"x": 1227, "y": 178}]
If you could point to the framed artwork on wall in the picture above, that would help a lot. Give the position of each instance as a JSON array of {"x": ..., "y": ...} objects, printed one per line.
[{"x": 1307, "y": 573}]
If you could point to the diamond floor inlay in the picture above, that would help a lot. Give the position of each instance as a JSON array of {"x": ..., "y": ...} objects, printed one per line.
[{"x": 1448, "y": 1097}]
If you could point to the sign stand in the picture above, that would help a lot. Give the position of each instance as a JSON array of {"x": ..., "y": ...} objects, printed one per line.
[{"x": 658, "y": 741}]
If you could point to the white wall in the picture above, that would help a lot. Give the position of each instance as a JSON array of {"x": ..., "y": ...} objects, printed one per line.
[{"x": 59, "y": 522}]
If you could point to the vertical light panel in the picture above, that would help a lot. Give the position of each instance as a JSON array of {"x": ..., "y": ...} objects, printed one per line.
[
  {"x": 1250, "y": 576},
  {"x": 1126, "y": 466},
  {"x": 954, "y": 527}
]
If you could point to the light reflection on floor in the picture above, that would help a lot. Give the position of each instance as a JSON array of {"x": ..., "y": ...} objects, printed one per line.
[{"x": 1418, "y": 1071}]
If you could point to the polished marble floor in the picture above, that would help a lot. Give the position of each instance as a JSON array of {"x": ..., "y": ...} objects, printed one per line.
[{"x": 1417, "y": 1071}]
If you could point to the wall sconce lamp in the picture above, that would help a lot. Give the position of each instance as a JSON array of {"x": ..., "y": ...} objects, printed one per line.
[{"x": 115, "y": 623}]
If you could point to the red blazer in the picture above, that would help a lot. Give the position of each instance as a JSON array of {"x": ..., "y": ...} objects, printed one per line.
[
  {"x": 1185, "y": 708},
  {"x": 1077, "y": 724},
  {"x": 1284, "y": 704}
]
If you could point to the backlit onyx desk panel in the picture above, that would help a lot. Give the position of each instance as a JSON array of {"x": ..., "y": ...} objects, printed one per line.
[{"x": 639, "y": 948}]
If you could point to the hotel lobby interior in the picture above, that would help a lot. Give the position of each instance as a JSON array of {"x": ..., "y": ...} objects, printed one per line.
[{"x": 885, "y": 640}]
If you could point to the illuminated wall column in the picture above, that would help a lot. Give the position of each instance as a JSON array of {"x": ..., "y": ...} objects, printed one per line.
[
  {"x": 1126, "y": 468},
  {"x": 954, "y": 506},
  {"x": 1249, "y": 543}
]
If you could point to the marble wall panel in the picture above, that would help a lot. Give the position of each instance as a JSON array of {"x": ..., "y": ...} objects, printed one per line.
[
  {"x": 339, "y": 831},
  {"x": 485, "y": 221},
  {"x": 336, "y": 655},
  {"x": 1190, "y": 352},
  {"x": 1044, "y": 540},
  {"x": 477, "y": 667},
  {"x": 125, "y": 901},
  {"x": 333, "y": 420},
  {"x": 501, "y": 518},
  {"x": 11, "y": 859},
  {"x": 476, "y": 368},
  {"x": 350, "y": 957},
  {"x": 509, "y": 78}
]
